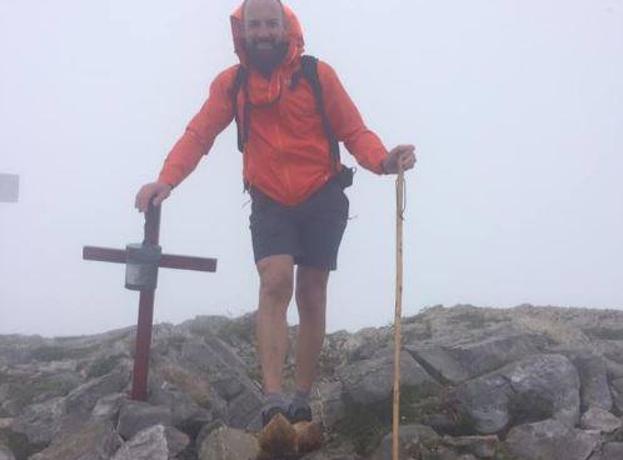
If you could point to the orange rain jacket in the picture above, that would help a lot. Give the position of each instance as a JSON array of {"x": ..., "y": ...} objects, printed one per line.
[{"x": 287, "y": 155}]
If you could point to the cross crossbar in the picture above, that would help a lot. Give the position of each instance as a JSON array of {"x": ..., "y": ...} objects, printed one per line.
[
  {"x": 119, "y": 256},
  {"x": 143, "y": 262}
]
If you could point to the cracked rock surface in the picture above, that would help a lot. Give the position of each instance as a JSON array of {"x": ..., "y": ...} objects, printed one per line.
[{"x": 477, "y": 383}]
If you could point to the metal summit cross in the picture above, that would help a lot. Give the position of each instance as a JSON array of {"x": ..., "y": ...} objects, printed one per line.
[{"x": 142, "y": 263}]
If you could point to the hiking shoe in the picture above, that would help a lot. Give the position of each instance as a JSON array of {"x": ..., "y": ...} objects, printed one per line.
[
  {"x": 299, "y": 413},
  {"x": 270, "y": 412}
]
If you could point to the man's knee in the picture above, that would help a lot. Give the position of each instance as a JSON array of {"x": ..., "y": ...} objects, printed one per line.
[
  {"x": 276, "y": 280},
  {"x": 311, "y": 287}
]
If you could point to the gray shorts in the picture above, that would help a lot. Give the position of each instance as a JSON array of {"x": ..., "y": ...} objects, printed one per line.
[{"x": 311, "y": 232}]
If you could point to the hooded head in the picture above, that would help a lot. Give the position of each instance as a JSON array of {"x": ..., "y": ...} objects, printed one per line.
[{"x": 267, "y": 35}]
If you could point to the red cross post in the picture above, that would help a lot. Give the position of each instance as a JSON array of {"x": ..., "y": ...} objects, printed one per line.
[{"x": 142, "y": 262}]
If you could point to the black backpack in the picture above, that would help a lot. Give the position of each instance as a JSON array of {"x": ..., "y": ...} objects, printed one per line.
[{"x": 308, "y": 71}]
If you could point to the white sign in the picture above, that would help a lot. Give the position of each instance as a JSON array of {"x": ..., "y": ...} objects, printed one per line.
[{"x": 9, "y": 188}]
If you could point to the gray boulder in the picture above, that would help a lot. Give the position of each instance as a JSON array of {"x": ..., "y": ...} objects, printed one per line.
[
  {"x": 485, "y": 403},
  {"x": 226, "y": 373},
  {"x": 461, "y": 362},
  {"x": 185, "y": 412},
  {"x": 550, "y": 379},
  {"x": 95, "y": 441},
  {"x": 327, "y": 403},
  {"x": 595, "y": 418},
  {"x": 229, "y": 444},
  {"x": 371, "y": 381},
  {"x": 415, "y": 441},
  {"x": 480, "y": 446},
  {"x": 108, "y": 407},
  {"x": 364, "y": 344},
  {"x": 535, "y": 388},
  {"x": 440, "y": 362},
  {"x": 32, "y": 386},
  {"x": 157, "y": 442},
  {"x": 593, "y": 380},
  {"x": 610, "y": 451},
  {"x": 82, "y": 399},
  {"x": 5, "y": 453},
  {"x": 616, "y": 386},
  {"x": 135, "y": 416},
  {"x": 41, "y": 422},
  {"x": 550, "y": 440}
]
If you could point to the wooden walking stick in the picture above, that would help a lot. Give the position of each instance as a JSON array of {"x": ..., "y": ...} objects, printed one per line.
[{"x": 400, "y": 203}]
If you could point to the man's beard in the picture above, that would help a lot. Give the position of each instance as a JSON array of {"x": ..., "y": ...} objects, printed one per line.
[{"x": 266, "y": 60}]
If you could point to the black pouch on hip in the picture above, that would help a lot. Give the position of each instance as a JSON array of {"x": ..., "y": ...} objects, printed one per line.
[{"x": 345, "y": 177}]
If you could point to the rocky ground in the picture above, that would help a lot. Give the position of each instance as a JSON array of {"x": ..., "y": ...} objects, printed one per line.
[{"x": 478, "y": 383}]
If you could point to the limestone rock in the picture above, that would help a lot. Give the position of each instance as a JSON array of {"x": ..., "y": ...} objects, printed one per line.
[
  {"x": 593, "y": 380},
  {"x": 157, "y": 442},
  {"x": 229, "y": 444},
  {"x": 364, "y": 344},
  {"x": 135, "y": 416},
  {"x": 616, "y": 386},
  {"x": 226, "y": 373},
  {"x": 610, "y": 451},
  {"x": 601, "y": 420},
  {"x": 108, "y": 407},
  {"x": 371, "y": 381},
  {"x": 41, "y": 422},
  {"x": 415, "y": 441},
  {"x": 27, "y": 386},
  {"x": 95, "y": 441},
  {"x": 186, "y": 414},
  {"x": 480, "y": 446},
  {"x": 83, "y": 398},
  {"x": 327, "y": 403},
  {"x": 5, "y": 423},
  {"x": 549, "y": 379},
  {"x": 552, "y": 440},
  {"x": 5, "y": 453},
  {"x": 466, "y": 370},
  {"x": 461, "y": 362},
  {"x": 535, "y": 388}
]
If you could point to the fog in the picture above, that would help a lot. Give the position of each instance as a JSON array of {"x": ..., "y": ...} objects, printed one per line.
[{"x": 516, "y": 109}]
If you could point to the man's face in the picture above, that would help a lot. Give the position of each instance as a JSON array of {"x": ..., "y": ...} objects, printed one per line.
[{"x": 265, "y": 33}]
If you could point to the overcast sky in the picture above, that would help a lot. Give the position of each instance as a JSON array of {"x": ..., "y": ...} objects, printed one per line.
[{"x": 516, "y": 108}]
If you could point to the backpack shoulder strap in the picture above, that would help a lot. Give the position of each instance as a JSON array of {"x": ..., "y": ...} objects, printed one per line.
[
  {"x": 240, "y": 80},
  {"x": 309, "y": 71}
]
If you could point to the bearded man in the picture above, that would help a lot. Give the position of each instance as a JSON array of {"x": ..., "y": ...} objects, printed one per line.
[{"x": 288, "y": 131}]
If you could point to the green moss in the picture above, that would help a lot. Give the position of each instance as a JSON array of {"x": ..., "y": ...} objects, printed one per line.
[
  {"x": 238, "y": 329},
  {"x": 4, "y": 378},
  {"x": 502, "y": 453},
  {"x": 19, "y": 444},
  {"x": 56, "y": 353},
  {"x": 24, "y": 393},
  {"x": 604, "y": 333},
  {"x": 469, "y": 319},
  {"x": 177, "y": 342},
  {"x": 254, "y": 373},
  {"x": 103, "y": 365},
  {"x": 366, "y": 425}
]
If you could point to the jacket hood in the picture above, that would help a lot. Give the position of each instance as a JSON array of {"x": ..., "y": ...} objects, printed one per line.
[{"x": 294, "y": 31}]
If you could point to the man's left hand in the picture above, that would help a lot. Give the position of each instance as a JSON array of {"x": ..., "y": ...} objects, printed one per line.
[{"x": 403, "y": 155}]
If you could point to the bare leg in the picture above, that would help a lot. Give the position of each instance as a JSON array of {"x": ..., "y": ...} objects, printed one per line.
[
  {"x": 311, "y": 300},
  {"x": 276, "y": 279}
]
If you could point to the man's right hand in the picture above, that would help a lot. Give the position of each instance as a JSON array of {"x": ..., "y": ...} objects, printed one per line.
[{"x": 156, "y": 192}]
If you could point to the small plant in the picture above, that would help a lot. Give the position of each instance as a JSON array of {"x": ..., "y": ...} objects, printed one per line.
[{"x": 103, "y": 365}]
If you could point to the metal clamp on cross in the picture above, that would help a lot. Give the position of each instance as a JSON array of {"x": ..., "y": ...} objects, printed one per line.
[{"x": 142, "y": 262}]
